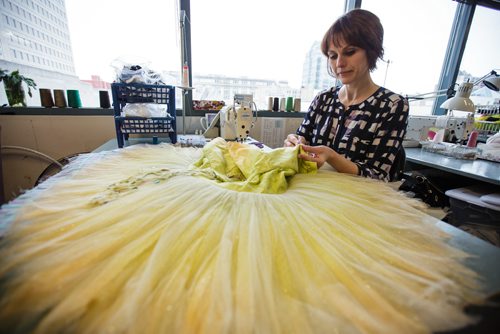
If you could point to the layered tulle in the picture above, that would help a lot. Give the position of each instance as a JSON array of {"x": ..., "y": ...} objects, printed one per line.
[{"x": 179, "y": 253}]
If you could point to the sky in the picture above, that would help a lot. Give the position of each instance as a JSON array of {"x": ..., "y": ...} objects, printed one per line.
[
  {"x": 236, "y": 42},
  {"x": 269, "y": 39}
]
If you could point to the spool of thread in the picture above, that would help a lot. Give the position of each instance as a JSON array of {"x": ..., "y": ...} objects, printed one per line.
[
  {"x": 282, "y": 104},
  {"x": 46, "y": 98},
  {"x": 104, "y": 99},
  {"x": 270, "y": 103},
  {"x": 296, "y": 105},
  {"x": 74, "y": 100},
  {"x": 289, "y": 104},
  {"x": 472, "y": 142},
  {"x": 185, "y": 75},
  {"x": 60, "y": 98},
  {"x": 276, "y": 104}
]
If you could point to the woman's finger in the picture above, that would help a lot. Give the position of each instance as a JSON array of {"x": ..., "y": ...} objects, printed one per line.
[
  {"x": 292, "y": 140},
  {"x": 309, "y": 156}
]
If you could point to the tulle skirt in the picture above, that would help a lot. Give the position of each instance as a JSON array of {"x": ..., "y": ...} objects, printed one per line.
[{"x": 180, "y": 254}]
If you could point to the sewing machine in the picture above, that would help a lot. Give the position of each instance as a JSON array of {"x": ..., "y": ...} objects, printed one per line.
[
  {"x": 237, "y": 120},
  {"x": 455, "y": 128}
]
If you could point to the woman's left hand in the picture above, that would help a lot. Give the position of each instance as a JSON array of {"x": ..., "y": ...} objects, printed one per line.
[{"x": 317, "y": 154}]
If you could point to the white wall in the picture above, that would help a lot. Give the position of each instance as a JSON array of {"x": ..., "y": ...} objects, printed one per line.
[{"x": 55, "y": 136}]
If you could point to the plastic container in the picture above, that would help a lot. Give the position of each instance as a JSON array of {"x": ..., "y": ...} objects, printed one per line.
[{"x": 124, "y": 93}]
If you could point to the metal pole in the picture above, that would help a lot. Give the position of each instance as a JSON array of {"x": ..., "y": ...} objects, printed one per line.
[
  {"x": 187, "y": 95},
  {"x": 454, "y": 52},
  {"x": 183, "y": 60}
]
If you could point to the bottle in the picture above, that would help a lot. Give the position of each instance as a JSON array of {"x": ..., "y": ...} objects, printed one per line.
[{"x": 185, "y": 75}]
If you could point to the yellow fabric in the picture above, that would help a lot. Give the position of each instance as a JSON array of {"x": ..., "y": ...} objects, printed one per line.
[
  {"x": 244, "y": 167},
  {"x": 332, "y": 254}
]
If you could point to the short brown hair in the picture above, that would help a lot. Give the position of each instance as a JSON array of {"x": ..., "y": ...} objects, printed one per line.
[{"x": 360, "y": 28}]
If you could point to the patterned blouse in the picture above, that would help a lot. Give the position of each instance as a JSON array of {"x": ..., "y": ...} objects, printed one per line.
[{"x": 369, "y": 134}]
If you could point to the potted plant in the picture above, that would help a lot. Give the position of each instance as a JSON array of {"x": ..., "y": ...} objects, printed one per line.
[{"x": 13, "y": 83}]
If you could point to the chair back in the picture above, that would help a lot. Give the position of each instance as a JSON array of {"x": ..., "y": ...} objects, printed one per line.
[
  {"x": 2, "y": 196},
  {"x": 398, "y": 166}
]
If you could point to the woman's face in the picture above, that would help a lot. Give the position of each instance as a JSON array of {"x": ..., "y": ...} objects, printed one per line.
[{"x": 349, "y": 63}]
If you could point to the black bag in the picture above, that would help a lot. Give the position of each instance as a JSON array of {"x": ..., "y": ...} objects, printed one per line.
[{"x": 424, "y": 188}]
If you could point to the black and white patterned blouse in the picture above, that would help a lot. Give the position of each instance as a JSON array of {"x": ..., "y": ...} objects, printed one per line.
[{"x": 369, "y": 134}]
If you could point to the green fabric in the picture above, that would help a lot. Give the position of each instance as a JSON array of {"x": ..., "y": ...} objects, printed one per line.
[{"x": 244, "y": 167}]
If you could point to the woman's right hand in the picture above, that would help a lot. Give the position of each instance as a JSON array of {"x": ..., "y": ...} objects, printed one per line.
[{"x": 294, "y": 140}]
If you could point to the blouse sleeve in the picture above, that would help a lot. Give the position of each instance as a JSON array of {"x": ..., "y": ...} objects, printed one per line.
[
  {"x": 306, "y": 127},
  {"x": 387, "y": 142}
]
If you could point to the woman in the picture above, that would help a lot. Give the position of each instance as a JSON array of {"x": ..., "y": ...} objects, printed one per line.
[{"x": 357, "y": 128}]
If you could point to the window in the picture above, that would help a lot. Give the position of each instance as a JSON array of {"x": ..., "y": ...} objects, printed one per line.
[
  {"x": 137, "y": 34},
  {"x": 481, "y": 54},
  {"x": 415, "y": 46},
  {"x": 263, "y": 45},
  {"x": 258, "y": 39}
]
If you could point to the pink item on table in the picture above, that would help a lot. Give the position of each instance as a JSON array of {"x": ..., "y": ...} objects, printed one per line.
[{"x": 472, "y": 142}]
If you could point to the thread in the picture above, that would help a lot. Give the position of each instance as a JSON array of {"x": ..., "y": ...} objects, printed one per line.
[
  {"x": 46, "y": 98},
  {"x": 270, "y": 103},
  {"x": 74, "y": 100},
  {"x": 282, "y": 104},
  {"x": 276, "y": 104},
  {"x": 185, "y": 75},
  {"x": 472, "y": 142},
  {"x": 289, "y": 104},
  {"x": 297, "y": 105},
  {"x": 59, "y": 98},
  {"x": 104, "y": 99}
]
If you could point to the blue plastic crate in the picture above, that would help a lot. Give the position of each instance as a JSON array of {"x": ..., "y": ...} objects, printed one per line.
[{"x": 124, "y": 94}]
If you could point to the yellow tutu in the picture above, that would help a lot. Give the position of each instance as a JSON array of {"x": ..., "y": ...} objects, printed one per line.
[{"x": 158, "y": 239}]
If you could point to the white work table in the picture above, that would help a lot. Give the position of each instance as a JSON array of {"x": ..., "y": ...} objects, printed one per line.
[{"x": 482, "y": 170}]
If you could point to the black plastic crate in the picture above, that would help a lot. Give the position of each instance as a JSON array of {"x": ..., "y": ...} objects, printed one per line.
[
  {"x": 471, "y": 214},
  {"x": 468, "y": 208},
  {"x": 124, "y": 94}
]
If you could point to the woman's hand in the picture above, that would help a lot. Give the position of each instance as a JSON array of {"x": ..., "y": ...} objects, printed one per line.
[
  {"x": 294, "y": 140},
  {"x": 317, "y": 154}
]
